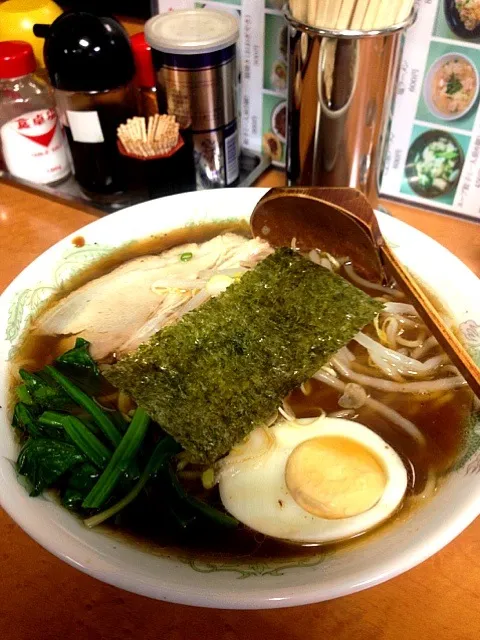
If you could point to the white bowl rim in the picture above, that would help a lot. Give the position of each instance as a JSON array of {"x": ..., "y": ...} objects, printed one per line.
[
  {"x": 428, "y": 82},
  {"x": 75, "y": 552}
]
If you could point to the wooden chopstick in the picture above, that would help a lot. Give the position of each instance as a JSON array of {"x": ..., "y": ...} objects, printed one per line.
[
  {"x": 346, "y": 14},
  {"x": 321, "y": 13},
  {"x": 312, "y": 11},
  {"x": 371, "y": 14},
  {"x": 404, "y": 11},
  {"x": 351, "y": 14},
  {"x": 359, "y": 14},
  {"x": 332, "y": 11},
  {"x": 298, "y": 9},
  {"x": 387, "y": 13}
]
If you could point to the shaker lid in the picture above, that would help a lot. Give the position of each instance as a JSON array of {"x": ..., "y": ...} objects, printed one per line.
[
  {"x": 192, "y": 31},
  {"x": 16, "y": 59},
  {"x": 86, "y": 52}
]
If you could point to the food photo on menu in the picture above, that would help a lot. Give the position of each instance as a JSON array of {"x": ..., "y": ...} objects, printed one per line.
[
  {"x": 239, "y": 335},
  {"x": 437, "y": 104}
]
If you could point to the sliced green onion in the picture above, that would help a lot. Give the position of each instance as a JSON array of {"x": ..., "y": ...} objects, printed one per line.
[
  {"x": 120, "y": 460},
  {"x": 81, "y": 398},
  {"x": 162, "y": 452},
  {"x": 81, "y": 435},
  {"x": 185, "y": 257}
]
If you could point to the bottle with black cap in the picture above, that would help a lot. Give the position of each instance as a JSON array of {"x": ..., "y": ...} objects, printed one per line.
[{"x": 90, "y": 64}]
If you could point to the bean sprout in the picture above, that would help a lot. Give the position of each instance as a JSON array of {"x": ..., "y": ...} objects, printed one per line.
[
  {"x": 428, "y": 386},
  {"x": 354, "y": 396},
  {"x": 421, "y": 350},
  {"x": 386, "y": 358},
  {"x": 400, "y": 307},
  {"x": 388, "y": 413},
  {"x": 354, "y": 277},
  {"x": 344, "y": 413}
]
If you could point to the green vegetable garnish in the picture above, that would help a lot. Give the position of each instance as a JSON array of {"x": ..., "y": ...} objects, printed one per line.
[
  {"x": 23, "y": 394},
  {"x": 84, "y": 401},
  {"x": 44, "y": 461},
  {"x": 215, "y": 516},
  {"x": 120, "y": 461},
  {"x": 185, "y": 257},
  {"x": 85, "y": 440},
  {"x": 224, "y": 368},
  {"x": 24, "y": 420},
  {"x": 162, "y": 452},
  {"x": 79, "y": 366},
  {"x": 80, "y": 482},
  {"x": 42, "y": 391},
  {"x": 454, "y": 85}
]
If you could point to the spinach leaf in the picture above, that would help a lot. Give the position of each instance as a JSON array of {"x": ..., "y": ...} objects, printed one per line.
[
  {"x": 80, "y": 435},
  {"x": 81, "y": 480},
  {"x": 24, "y": 421},
  {"x": 79, "y": 366},
  {"x": 43, "y": 391},
  {"x": 29, "y": 424},
  {"x": 190, "y": 508},
  {"x": 163, "y": 452},
  {"x": 44, "y": 461},
  {"x": 23, "y": 395}
]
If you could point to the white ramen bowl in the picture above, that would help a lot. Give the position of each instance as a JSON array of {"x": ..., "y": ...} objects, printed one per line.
[
  {"x": 245, "y": 585},
  {"x": 428, "y": 84}
]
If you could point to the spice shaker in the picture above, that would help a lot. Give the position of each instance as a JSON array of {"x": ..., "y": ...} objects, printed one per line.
[
  {"x": 90, "y": 64},
  {"x": 32, "y": 141},
  {"x": 194, "y": 52}
]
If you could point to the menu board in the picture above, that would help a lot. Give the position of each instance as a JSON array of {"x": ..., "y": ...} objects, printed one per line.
[
  {"x": 433, "y": 154},
  {"x": 262, "y": 65}
]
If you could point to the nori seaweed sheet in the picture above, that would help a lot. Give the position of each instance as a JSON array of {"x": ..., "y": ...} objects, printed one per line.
[{"x": 224, "y": 368}]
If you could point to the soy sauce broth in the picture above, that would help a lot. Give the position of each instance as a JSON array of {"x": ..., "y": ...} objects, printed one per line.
[{"x": 442, "y": 418}]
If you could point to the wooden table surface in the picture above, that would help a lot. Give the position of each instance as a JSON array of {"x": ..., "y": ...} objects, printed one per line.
[{"x": 41, "y": 597}]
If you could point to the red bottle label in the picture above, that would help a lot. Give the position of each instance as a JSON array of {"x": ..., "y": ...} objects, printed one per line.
[{"x": 34, "y": 147}]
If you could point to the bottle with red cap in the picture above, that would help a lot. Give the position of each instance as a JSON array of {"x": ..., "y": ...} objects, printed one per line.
[
  {"x": 144, "y": 80},
  {"x": 32, "y": 141}
]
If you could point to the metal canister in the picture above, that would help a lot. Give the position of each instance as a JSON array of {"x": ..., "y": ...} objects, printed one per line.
[
  {"x": 339, "y": 102},
  {"x": 194, "y": 53}
]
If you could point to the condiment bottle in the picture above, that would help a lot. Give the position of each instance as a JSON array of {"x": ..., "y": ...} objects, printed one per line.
[
  {"x": 144, "y": 80},
  {"x": 194, "y": 53},
  {"x": 32, "y": 141},
  {"x": 17, "y": 18},
  {"x": 90, "y": 64}
]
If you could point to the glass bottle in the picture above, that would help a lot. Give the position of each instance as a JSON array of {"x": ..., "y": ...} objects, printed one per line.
[
  {"x": 90, "y": 64},
  {"x": 32, "y": 141}
]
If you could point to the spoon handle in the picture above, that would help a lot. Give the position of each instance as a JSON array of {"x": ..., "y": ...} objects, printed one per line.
[{"x": 445, "y": 335}]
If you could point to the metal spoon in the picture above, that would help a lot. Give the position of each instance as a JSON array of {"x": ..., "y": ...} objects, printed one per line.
[{"x": 342, "y": 222}]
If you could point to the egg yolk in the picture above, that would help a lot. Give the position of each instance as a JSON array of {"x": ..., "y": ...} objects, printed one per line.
[{"x": 334, "y": 477}]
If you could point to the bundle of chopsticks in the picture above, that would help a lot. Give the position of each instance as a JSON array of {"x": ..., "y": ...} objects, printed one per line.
[
  {"x": 361, "y": 15},
  {"x": 155, "y": 138}
]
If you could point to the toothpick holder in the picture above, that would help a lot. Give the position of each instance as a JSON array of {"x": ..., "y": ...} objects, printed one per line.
[{"x": 163, "y": 175}]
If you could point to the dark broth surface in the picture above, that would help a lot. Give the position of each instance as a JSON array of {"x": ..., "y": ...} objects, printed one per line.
[{"x": 442, "y": 418}]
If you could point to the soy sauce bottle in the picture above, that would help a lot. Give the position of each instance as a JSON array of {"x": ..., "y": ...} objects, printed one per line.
[{"x": 90, "y": 64}]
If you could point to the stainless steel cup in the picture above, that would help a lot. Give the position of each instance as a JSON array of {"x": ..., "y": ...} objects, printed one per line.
[{"x": 341, "y": 85}]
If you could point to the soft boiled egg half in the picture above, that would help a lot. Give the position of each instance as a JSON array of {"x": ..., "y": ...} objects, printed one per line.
[{"x": 312, "y": 482}]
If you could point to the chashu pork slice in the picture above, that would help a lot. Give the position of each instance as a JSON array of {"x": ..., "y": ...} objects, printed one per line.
[{"x": 120, "y": 310}]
